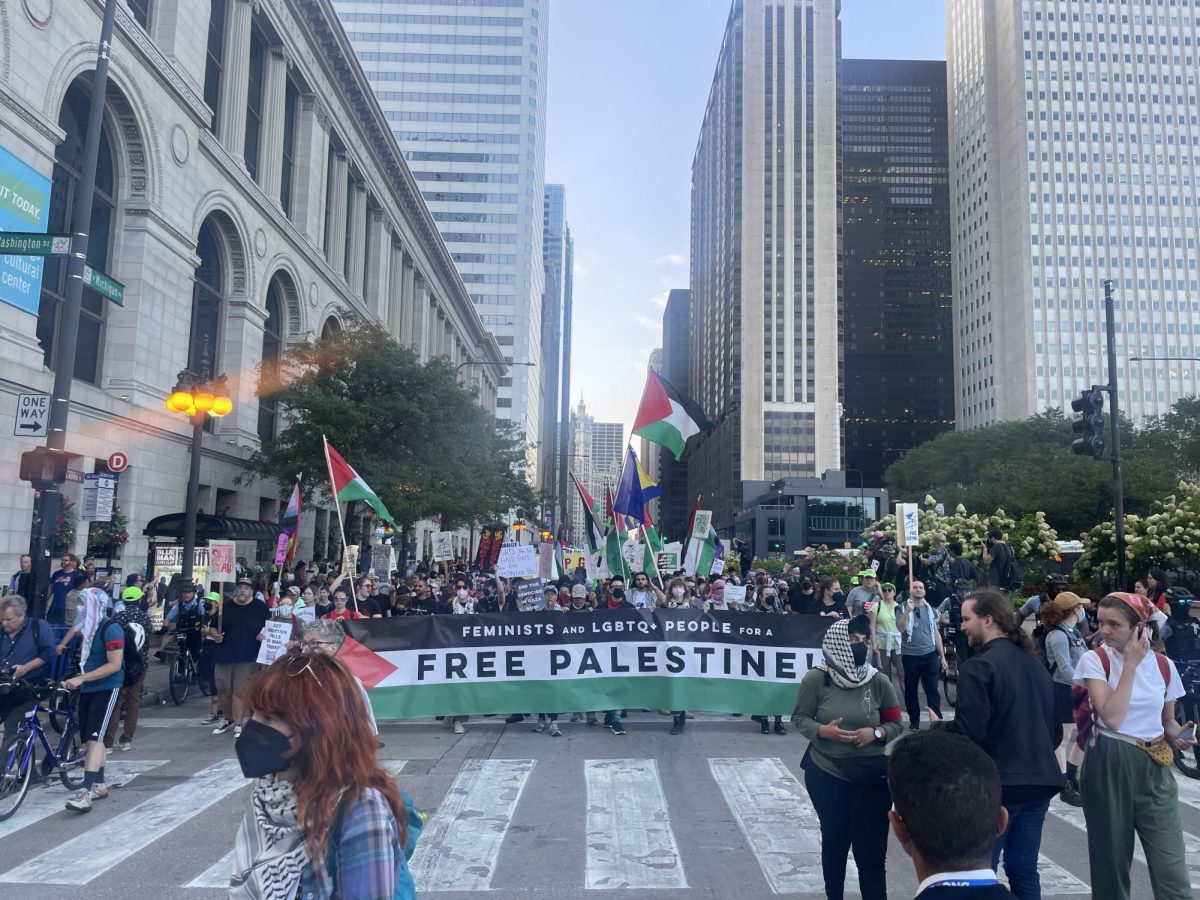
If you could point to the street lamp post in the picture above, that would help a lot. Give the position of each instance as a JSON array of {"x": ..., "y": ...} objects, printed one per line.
[{"x": 197, "y": 395}]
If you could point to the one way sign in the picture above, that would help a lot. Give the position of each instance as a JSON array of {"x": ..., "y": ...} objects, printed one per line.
[{"x": 33, "y": 414}]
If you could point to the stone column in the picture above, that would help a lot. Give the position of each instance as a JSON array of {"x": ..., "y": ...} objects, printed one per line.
[
  {"x": 379, "y": 259},
  {"x": 234, "y": 77},
  {"x": 420, "y": 318},
  {"x": 394, "y": 302},
  {"x": 408, "y": 302},
  {"x": 312, "y": 161},
  {"x": 356, "y": 254},
  {"x": 240, "y": 357},
  {"x": 270, "y": 150},
  {"x": 335, "y": 218}
]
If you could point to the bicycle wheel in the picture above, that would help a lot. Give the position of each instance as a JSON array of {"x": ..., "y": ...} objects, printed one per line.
[
  {"x": 58, "y": 707},
  {"x": 950, "y": 686},
  {"x": 70, "y": 758},
  {"x": 1187, "y": 709},
  {"x": 14, "y": 779},
  {"x": 181, "y": 678}
]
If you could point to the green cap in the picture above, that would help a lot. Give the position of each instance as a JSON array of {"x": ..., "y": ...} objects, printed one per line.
[
  {"x": 213, "y": 597},
  {"x": 867, "y": 573},
  {"x": 132, "y": 593}
]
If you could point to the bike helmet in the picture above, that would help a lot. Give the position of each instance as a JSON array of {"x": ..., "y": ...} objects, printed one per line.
[
  {"x": 1179, "y": 602},
  {"x": 1057, "y": 579},
  {"x": 963, "y": 584}
]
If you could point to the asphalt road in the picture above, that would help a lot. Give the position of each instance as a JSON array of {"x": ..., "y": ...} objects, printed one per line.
[{"x": 717, "y": 812}]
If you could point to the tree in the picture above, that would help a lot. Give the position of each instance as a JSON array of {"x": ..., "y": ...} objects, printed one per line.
[
  {"x": 1026, "y": 467},
  {"x": 417, "y": 437}
]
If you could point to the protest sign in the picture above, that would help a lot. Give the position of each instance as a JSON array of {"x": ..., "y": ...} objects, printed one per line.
[
  {"x": 632, "y": 551},
  {"x": 700, "y": 526},
  {"x": 517, "y": 561},
  {"x": 423, "y": 666},
  {"x": 546, "y": 560},
  {"x": 381, "y": 559},
  {"x": 735, "y": 593},
  {"x": 668, "y": 562},
  {"x": 528, "y": 594},
  {"x": 718, "y": 566},
  {"x": 273, "y": 645},
  {"x": 222, "y": 562},
  {"x": 908, "y": 529},
  {"x": 443, "y": 546},
  {"x": 350, "y": 559},
  {"x": 573, "y": 559},
  {"x": 306, "y": 613}
]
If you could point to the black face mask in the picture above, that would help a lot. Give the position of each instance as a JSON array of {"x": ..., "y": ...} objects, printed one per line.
[
  {"x": 261, "y": 750},
  {"x": 859, "y": 652},
  {"x": 839, "y": 597}
]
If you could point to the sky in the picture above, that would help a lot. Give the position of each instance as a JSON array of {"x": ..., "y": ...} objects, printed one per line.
[{"x": 628, "y": 83}]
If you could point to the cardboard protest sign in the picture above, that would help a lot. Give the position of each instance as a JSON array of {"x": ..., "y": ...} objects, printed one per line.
[
  {"x": 529, "y": 594},
  {"x": 306, "y": 613},
  {"x": 443, "y": 546},
  {"x": 273, "y": 645},
  {"x": 517, "y": 561},
  {"x": 735, "y": 593}
]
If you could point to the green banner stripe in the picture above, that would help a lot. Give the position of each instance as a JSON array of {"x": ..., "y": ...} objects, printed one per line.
[{"x": 582, "y": 695}]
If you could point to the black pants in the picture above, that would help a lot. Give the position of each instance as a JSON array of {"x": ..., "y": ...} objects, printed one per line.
[
  {"x": 853, "y": 816},
  {"x": 924, "y": 670},
  {"x": 13, "y": 707},
  {"x": 206, "y": 667}
]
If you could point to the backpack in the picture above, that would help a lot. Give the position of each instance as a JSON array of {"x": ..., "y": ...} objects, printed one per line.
[
  {"x": 1081, "y": 703},
  {"x": 1016, "y": 574},
  {"x": 135, "y": 666}
]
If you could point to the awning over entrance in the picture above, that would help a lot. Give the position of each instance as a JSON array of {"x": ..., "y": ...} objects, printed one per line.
[{"x": 213, "y": 528}]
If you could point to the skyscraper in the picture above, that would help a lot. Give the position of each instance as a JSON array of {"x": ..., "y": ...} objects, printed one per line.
[
  {"x": 674, "y": 509},
  {"x": 557, "y": 254},
  {"x": 1074, "y": 159},
  {"x": 765, "y": 267},
  {"x": 597, "y": 451},
  {"x": 463, "y": 85},
  {"x": 897, "y": 330}
]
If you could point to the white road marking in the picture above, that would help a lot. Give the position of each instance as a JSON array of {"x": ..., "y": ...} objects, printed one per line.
[
  {"x": 1189, "y": 790},
  {"x": 778, "y": 822},
  {"x": 1056, "y": 880},
  {"x": 216, "y": 876},
  {"x": 168, "y": 722},
  {"x": 460, "y": 843},
  {"x": 99, "y": 849},
  {"x": 629, "y": 839},
  {"x": 1191, "y": 844},
  {"x": 42, "y": 802}
]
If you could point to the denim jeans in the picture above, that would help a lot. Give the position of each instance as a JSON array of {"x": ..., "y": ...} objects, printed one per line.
[{"x": 1020, "y": 844}]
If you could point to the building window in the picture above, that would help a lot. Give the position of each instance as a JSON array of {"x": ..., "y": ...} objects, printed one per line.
[
  {"x": 331, "y": 327},
  {"x": 67, "y": 160},
  {"x": 214, "y": 61},
  {"x": 254, "y": 101},
  {"x": 206, "y": 303},
  {"x": 291, "y": 99},
  {"x": 268, "y": 406},
  {"x": 140, "y": 10}
]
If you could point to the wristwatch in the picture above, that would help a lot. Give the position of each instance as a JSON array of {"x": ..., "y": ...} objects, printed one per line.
[{"x": 879, "y": 735}]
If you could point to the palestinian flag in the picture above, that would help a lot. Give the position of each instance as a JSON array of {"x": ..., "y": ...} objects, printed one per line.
[
  {"x": 348, "y": 485},
  {"x": 666, "y": 416},
  {"x": 652, "y": 547},
  {"x": 593, "y": 534}
]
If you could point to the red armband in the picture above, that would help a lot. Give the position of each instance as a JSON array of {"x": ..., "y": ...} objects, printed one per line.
[{"x": 889, "y": 714}]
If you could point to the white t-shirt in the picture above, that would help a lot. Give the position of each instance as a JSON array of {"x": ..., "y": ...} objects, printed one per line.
[
  {"x": 1143, "y": 719},
  {"x": 641, "y": 599}
]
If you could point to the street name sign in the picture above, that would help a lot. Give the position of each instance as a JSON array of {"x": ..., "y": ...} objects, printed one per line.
[
  {"x": 104, "y": 286},
  {"x": 32, "y": 243}
]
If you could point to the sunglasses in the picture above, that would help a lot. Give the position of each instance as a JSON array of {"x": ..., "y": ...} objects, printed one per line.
[{"x": 298, "y": 664}]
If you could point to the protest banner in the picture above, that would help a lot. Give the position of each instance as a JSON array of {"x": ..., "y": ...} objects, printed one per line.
[
  {"x": 443, "y": 546},
  {"x": 423, "y": 666},
  {"x": 517, "y": 561},
  {"x": 573, "y": 559},
  {"x": 527, "y": 594},
  {"x": 735, "y": 593},
  {"x": 273, "y": 645}
]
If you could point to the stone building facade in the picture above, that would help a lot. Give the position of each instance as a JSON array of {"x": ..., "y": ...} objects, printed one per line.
[{"x": 250, "y": 195}]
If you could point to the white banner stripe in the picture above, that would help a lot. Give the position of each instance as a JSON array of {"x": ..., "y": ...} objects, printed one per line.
[
  {"x": 460, "y": 844},
  {"x": 779, "y": 823},
  {"x": 630, "y": 843},
  {"x": 99, "y": 849},
  {"x": 43, "y": 802},
  {"x": 216, "y": 876}
]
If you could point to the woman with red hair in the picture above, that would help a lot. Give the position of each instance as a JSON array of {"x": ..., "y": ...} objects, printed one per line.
[{"x": 325, "y": 820}]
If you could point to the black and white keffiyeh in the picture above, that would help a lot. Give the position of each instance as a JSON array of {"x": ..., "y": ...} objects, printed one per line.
[
  {"x": 839, "y": 659},
  {"x": 269, "y": 855}
]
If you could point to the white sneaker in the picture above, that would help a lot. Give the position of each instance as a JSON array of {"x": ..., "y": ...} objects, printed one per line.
[
  {"x": 237, "y": 732},
  {"x": 212, "y": 719},
  {"x": 554, "y": 732},
  {"x": 540, "y": 726},
  {"x": 81, "y": 801},
  {"x": 458, "y": 728},
  {"x": 99, "y": 792},
  {"x": 223, "y": 726}
]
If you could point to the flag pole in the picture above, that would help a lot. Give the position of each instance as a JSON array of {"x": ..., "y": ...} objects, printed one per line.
[{"x": 341, "y": 522}]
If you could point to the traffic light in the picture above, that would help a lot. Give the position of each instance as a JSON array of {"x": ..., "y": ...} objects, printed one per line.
[
  {"x": 43, "y": 466},
  {"x": 1090, "y": 423}
]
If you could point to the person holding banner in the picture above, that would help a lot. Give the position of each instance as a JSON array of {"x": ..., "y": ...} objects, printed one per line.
[{"x": 848, "y": 711}]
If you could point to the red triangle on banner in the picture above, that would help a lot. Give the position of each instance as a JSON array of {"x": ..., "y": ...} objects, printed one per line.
[{"x": 369, "y": 666}]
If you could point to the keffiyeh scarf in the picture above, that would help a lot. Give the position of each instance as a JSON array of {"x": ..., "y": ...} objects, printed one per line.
[
  {"x": 95, "y": 602},
  {"x": 839, "y": 659},
  {"x": 269, "y": 855}
]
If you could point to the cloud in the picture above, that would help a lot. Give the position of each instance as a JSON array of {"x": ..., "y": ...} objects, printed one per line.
[
  {"x": 580, "y": 271},
  {"x": 660, "y": 300},
  {"x": 672, "y": 259},
  {"x": 648, "y": 323},
  {"x": 638, "y": 367}
]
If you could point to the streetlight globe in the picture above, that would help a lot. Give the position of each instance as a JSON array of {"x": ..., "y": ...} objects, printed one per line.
[
  {"x": 222, "y": 406},
  {"x": 179, "y": 401},
  {"x": 203, "y": 401}
]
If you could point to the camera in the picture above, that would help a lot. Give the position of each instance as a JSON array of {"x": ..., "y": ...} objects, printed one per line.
[{"x": 7, "y": 679}]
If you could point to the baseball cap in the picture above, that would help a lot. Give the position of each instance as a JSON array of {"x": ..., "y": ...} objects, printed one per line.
[
  {"x": 293, "y": 590},
  {"x": 246, "y": 581},
  {"x": 887, "y": 586},
  {"x": 579, "y": 591},
  {"x": 131, "y": 593},
  {"x": 212, "y": 597},
  {"x": 1068, "y": 601},
  {"x": 867, "y": 573}
]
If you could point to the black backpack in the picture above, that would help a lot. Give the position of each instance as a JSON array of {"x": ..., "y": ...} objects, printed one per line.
[{"x": 135, "y": 666}]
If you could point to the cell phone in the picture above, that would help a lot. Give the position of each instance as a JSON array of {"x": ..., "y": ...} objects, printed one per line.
[{"x": 1188, "y": 733}]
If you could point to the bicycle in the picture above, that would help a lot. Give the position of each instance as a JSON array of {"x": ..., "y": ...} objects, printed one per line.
[
  {"x": 1187, "y": 709},
  {"x": 184, "y": 668},
  {"x": 950, "y": 676},
  {"x": 19, "y": 758}
]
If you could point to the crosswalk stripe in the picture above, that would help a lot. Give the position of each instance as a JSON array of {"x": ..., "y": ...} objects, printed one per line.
[
  {"x": 1057, "y": 881},
  {"x": 44, "y": 802},
  {"x": 1189, "y": 790},
  {"x": 216, "y": 876},
  {"x": 629, "y": 839},
  {"x": 1074, "y": 816},
  {"x": 459, "y": 845},
  {"x": 99, "y": 849},
  {"x": 778, "y": 821}
]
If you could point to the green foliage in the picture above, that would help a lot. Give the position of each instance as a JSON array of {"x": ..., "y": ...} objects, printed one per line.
[
  {"x": 416, "y": 436},
  {"x": 1027, "y": 467}
]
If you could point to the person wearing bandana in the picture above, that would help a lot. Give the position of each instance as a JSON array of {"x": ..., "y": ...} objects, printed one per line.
[
  {"x": 315, "y": 830},
  {"x": 848, "y": 711}
]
